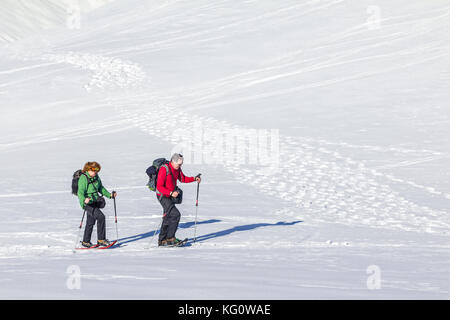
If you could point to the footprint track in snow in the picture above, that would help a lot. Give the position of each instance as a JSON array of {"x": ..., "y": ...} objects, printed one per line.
[{"x": 322, "y": 184}]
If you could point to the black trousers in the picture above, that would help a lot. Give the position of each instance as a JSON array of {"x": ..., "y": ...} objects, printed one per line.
[
  {"x": 94, "y": 215},
  {"x": 171, "y": 219}
]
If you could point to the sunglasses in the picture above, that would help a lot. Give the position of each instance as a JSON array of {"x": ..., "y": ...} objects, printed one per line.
[{"x": 94, "y": 169}]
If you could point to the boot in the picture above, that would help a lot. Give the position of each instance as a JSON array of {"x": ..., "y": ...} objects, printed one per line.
[
  {"x": 163, "y": 243},
  {"x": 103, "y": 243},
  {"x": 173, "y": 241},
  {"x": 87, "y": 244}
]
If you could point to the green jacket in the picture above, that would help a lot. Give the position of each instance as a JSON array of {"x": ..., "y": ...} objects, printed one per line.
[{"x": 90, "y": 189}]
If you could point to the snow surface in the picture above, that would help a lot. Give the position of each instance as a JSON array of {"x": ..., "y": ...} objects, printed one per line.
[{"x": 357, "y": 93}]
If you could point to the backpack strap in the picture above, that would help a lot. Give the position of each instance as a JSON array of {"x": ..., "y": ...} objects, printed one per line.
[
  {"x": 168, "y": 171},
  {"x": 90, "y": 182}
]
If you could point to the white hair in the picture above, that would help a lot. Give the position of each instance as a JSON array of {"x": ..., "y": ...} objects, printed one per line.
[{"x": 177, "y": 158}]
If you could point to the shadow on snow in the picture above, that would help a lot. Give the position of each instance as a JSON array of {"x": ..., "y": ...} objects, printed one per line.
[
  {"x": 208, "y": 236},
  {"x": 152, "y": 233},
  {"x": 246, "y": 227}
]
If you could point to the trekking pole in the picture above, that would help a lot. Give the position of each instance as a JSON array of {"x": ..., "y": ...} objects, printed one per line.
[
  {"x": 115, "y": 215},
  {"x": 154, "y": 233},
  {"x": 79, "y": 229},
  {"x": 196, "y": 209}
]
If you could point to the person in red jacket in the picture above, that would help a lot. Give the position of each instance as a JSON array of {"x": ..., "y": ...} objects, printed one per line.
[{"x": 167, "y": 193}]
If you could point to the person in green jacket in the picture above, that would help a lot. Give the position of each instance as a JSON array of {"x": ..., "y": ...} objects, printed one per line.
[{"x": 89, "y": 188}]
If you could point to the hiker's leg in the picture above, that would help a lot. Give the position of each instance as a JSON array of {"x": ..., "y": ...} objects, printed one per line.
[
  {"x": 166, "y": 204},
  {"x": 90, "y": 222},
  {"x": 101, "y": 225},
  {"x": 173, "y": 218}
]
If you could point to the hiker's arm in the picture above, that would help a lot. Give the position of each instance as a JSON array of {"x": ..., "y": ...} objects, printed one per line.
[
  {"x": 161, "y": 182},
  {"x": 82, "y": 188},
  {"x": 185, "y": 179},
  {"x": 103, "y": 190}
]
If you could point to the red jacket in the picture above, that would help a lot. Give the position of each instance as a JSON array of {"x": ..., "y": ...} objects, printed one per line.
[{"x": 165, "y": 183}]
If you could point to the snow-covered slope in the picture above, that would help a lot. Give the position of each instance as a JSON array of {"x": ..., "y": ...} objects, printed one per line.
[
  {"x": 23, "y": 18},
  {"x": 354, "y": 176}
]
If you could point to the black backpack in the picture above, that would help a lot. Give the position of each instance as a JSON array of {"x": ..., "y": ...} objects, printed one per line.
[
  {"x": 153, "y": 170},
  {"x": 76, "y": 176},
  {"x": 152, "y": 173}
]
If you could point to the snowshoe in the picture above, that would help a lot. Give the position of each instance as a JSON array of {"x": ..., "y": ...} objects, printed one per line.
[
  {"x": 164, "y": 243},
  {"x": 180, "y": 243},
  {"x": 177, "y": 241},
  {"x": 87, "y": 244},
  {"x": 103, "y": 243},
  {"x": 172, "y": 242}
]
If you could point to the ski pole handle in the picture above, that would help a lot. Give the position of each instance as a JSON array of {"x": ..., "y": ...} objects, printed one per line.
[
  {"x": 115, "y": 216},
  {"x": 115, "y": 209},
  {"x": 198, "y": 187}
]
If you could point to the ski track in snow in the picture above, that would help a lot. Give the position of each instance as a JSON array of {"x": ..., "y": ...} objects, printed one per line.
[
  {"x": 323, "y": 184},
  {"x": 315, "y": 183},
  {"x": 90, "y": 129},
  {"x": 106, "y": 70}
]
